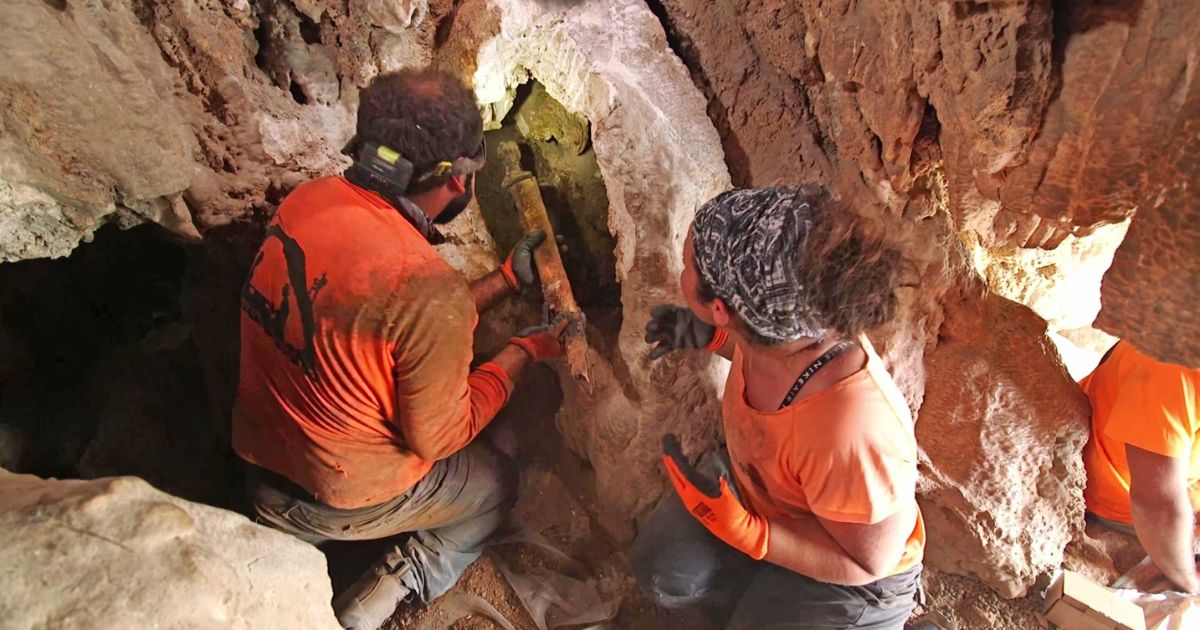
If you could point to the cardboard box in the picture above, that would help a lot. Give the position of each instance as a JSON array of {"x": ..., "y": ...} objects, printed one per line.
[{"x": 1077, "y": 603}]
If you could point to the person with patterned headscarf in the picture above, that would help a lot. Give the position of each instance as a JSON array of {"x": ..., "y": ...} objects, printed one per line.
[{"x": 807, "y": 516}]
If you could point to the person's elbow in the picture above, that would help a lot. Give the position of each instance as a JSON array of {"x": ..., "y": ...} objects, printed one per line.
[
  {"x": 430, "y": 451},
  {"x": 878, "y": 564},
  {"x": 433, "y": 447},
  {"x": 878, "y": 549},
  {"x": 881, "y": 566},
  {"x": 1158, "y": 501}
]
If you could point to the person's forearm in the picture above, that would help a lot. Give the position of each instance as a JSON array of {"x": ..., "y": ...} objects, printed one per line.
[
  {"x": 1164, "y": 525},
  {"x": 513, "y": 360},
  {"x": 490, "y": 290},
  {"x": 803, "y": 546},
  {"x": 436, "y": 434}
]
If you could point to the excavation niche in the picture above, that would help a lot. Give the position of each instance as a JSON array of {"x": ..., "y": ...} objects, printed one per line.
[
  {"x": 556, "y": 147},
  {"x": 548, "y": 75}
]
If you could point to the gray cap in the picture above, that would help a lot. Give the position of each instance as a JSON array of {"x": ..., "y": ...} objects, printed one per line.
[{"x": 749, "y": 245}]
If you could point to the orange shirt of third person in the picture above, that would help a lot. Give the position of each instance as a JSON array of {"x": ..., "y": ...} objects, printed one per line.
[{"x": 1142, "y": 402}]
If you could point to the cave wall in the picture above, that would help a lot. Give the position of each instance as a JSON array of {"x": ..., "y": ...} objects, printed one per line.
[
  {"x": 185, "y": 113},
  {"x": 1047, "y": 118}
]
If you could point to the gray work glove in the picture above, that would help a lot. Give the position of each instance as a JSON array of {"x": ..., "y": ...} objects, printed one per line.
[
  {"x": 518, "y": 268},
  {"x": 676, "y": 328}
]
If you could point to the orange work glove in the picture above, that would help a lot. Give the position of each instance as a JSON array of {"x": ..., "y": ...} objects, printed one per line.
[
  {"x": 518, "y": 269},
  {"x": 546, "y": 341},
  {"x": 715, "y": 505}
]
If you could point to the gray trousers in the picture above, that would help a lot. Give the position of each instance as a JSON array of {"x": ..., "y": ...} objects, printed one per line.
[
  {"x": 678, "y": 563},
  {"x": 450, "y": 513}
]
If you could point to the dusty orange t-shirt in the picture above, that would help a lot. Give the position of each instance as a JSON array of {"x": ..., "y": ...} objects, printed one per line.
[
  {"x": 1149, "y": 404},
  {"x": 847, "y": 453},
  {"x": 356, "y": 350}
]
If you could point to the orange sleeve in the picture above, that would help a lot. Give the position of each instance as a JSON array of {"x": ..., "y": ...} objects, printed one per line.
[
  {"x": 441, "y": 405},
  {"x": 1154, "y": 409},
  {"x": 720, "y": 338},
  {"x": 860, "y": 477}
]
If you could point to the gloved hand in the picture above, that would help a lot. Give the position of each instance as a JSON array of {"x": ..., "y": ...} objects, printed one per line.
[
  {"x": 546, "y": 341},
  {"x": 518, "y": 268},
  {"x": 714, "y": 504},
  {"x": 676, "y": 328}
]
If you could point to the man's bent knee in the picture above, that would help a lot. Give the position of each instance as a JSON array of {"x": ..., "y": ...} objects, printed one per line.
[{"x": 493, "y": 476}]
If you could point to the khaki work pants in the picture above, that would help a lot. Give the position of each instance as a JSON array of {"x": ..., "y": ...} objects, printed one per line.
[{"x": 450, "y": 514}]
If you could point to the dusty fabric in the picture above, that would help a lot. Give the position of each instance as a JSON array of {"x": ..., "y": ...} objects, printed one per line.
[
  {"x": 847, "y": 453},
  {"x": 452, "y": 511},
  {"x": 679, "y": 564},
  {"x": 747, "y": 246},
  {"x": 356, "y": 350},
  {"x": 1138, "y": 401}
]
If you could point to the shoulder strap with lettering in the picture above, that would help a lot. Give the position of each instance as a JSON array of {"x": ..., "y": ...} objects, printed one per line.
[{"x": 816, "y": 366}]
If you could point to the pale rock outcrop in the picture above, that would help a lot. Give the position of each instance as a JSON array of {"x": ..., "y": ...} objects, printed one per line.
[
  {"x": 87, "y": 127},
  {"x": 192, "y": 115},
  {"x": 1061, "y": 284},
  {"x": 660, "y": 158},
  {"x": 116, "y": 553},
  {"x": 1000, "y": 433}
]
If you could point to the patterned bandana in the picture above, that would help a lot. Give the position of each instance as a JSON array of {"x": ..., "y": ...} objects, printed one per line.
[{"x": 748, "y": 248}]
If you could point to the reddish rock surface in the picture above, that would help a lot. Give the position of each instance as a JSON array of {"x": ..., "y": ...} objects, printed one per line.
[
  {"x": 1050, "y": 122},
  {"x": 1002, "y": 480}
]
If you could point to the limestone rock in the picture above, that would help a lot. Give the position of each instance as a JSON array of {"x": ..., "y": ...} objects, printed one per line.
[
  {"x": 540, "y": 120},
  {"x": 1103, "y": 554},
  {"x": 159, "y": 115},
  {"x": 660, "y": 158},
  {"x": 1058, "y": 122},
  {"x": 116, "y": 553},
  {"x": 1125, "y": 134},
  {"x": 1060, "y": 284},
  {"x": 1150, "y": 294},
  {"x": 84, "y": 128},
  {"x": 396, "y": 16},
  {"x": 1000, "y": 432},
  {"x": 1113, "y": 137}
]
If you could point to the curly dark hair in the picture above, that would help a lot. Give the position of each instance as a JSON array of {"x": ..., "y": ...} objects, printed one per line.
[
  {"x": 427, "y": 115},
  {"x": 849, "y": 266}
]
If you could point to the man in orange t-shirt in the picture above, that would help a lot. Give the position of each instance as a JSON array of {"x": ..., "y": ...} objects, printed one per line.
[
  {"x": 357, "y": 408},
  {"x": 1143, "y": 458},
  {"x": 808, "y": 518}
]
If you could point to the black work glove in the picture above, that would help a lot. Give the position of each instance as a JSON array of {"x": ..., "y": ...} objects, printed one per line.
[
  {"x": 518, "y": 268},
  {"x": 671, "y": 448},
  {"x": 676, "y": 328}
]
